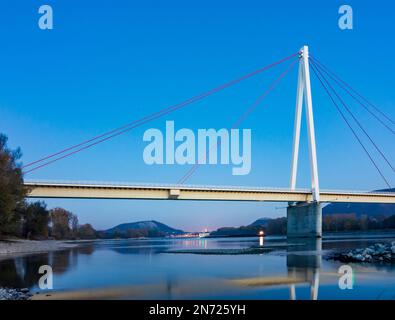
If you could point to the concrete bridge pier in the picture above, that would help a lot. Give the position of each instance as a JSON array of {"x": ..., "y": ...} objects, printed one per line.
[{"x": 304, "y": 220}]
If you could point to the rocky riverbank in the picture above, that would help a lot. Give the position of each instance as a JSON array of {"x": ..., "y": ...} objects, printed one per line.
[
  {"x": 15, "y": 294},
  {"x": 377, "y": 253}
]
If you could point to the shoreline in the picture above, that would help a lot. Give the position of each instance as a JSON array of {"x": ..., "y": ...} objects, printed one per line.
[
  {"x": 15, "y": 248},
  {"x": 12, "y": 248}
]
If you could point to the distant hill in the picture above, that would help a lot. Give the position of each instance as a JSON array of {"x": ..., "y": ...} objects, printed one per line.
[
  {"x": 268, "y": 225},
  {"x": 372, "y": 210},
  {"x": 141, "y": 229},
  {"x": 261, "y": 222}
]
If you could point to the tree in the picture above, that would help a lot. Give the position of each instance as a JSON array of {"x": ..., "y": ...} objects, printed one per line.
[
  {"x": 60, "y": 221},
  {"x": 12, "y": 190},
  {"x": 86, "y": 231},
  {"x": 74, "y": 225},
  {"x": 35, "y": 218}
]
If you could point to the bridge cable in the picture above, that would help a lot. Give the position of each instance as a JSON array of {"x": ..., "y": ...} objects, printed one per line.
[
  {"x": 341, "y": 85},
  {"x": 344, "y": 85},
  {"x": 316, "y": 71},
  {"x": 243, "y": 116},
  {"x": 355, "y": 119},
  {"x": 127, "y": 127}
]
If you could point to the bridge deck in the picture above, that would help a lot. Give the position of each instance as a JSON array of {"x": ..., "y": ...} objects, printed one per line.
[{"x": 184, "y": 192}]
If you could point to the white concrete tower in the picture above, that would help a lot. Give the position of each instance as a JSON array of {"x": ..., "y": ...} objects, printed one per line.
[{"x": 304, "y": 91}]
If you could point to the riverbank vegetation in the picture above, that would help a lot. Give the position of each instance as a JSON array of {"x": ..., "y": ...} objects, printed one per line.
[
  {"x": 352, "y": 222},
  {"x": 31, "y": 220},
  {"x": 330, "y": 223}
]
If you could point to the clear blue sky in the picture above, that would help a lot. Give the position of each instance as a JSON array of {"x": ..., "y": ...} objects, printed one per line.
[{"x": 106, "y": 63}]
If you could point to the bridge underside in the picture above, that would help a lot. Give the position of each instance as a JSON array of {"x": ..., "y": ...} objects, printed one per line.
[{"x": 207, "y": 193}]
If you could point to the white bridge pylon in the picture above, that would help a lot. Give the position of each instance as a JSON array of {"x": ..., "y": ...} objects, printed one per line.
[{"x": 304, "y": 93}]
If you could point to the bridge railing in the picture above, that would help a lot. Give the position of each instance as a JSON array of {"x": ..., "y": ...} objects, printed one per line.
[{"x": 193, "y": 186}]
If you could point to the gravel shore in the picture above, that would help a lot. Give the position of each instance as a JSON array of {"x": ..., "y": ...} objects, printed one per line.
[
  {"x": 13, "y": 247},
  {"x": 15, "y": 294},
  {"x": 377, "y": 253}
]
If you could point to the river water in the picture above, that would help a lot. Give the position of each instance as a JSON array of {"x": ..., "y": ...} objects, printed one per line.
[{"x": 206, "y": 268}]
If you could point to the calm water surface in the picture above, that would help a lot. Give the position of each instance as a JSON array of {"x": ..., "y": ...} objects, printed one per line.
[{"x": 144, "y": 269}]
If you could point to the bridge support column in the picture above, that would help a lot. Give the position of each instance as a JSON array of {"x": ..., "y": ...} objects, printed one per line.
[{"x": 304, "y": 220}]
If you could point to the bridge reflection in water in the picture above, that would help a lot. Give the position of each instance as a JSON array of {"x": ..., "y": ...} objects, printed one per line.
[{"x": 304, "y": 263}]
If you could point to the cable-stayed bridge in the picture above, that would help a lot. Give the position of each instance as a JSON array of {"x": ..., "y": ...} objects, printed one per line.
[
  {"x": 304, "y": 210},
  {"x": 118, "y": 190}
]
